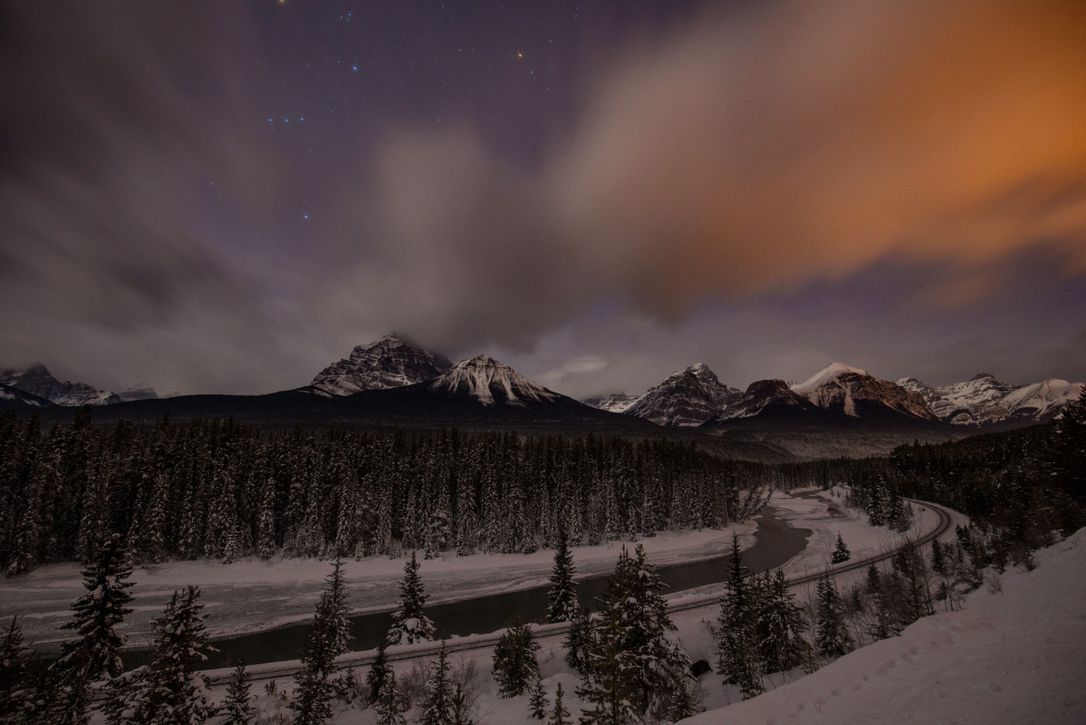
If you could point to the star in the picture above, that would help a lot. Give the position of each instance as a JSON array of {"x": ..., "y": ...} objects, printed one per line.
[
  {"x": 520, "y": 55},
  {"x": 305, "y": 216},
  {"x": 354, "y": 68}
]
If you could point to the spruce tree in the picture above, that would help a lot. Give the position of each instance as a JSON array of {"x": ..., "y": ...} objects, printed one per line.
[
  {"x": 97, "y": 614},
  {"x": 238, "y": 708},
  {"x": 562, "y": 603},
  {"x": 832, "y": 638},
  {"x": 329, "y": 637},
  {"x": 840, "y": 552},
  {"x": 737, "y": 648},
  {"x": 579, "y": 641},
  {"x": 559, "y": 713},
  {"x": 780, "y": 623},
  {"x": 409, "y": 623},
  {"x": 15, "y": 689},
  {"x": 938, "y": 560},
  {"x": 437, "y": 707},
  {"x": 171, "y": 691},
  {"x": 390, "y": 705},
  {"x": 662, "y": 667},
  {"x": 379, "y": 672},
  {"x": 515, "y": 666},
  {"x": 538, "y": 702}
]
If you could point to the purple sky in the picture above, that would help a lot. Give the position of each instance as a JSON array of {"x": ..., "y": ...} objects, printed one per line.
[{"x": 227, "y": 196}]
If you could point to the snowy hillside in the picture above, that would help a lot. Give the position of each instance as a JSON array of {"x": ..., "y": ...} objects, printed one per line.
[
  {"x": 391, "y": 362},
  {"x": 489, "y": 382},
  {"x": 685, "y": 398},
  {"x": 613, "y": 403},
  {"x": 1011, "y": 656},
  {"x": 38, "y": 381},
  {"x": 985, "y": 400}
]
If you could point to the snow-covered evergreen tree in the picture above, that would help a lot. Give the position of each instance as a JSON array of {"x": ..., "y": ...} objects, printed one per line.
[
  {"x": 379, "y": 672},
  {"x": 780, "y": 626},
  {"x": 96, "y": 616},
  {"x": 390, "y": 705},
  {"x": 15, "y": 689},
  {"x": 832, "y": 639},
  {"x": 238, "y": 708},
  {"x": 171, "y": 690},
  {"x": 579, "y": 641},
  {"x": 329, "y": 637},
  {"x": 662, "y": 667},
  {"x": 437, "y": 705},
  {"x": 562, "y": 602},
  {"x": 840, "y": 552},
  {"x": 515, "y": 666},
  {"x": 559, "y": 714},
  {"x": 409, "y": 623},
  {"x": 737, "y": 647},
  {"x": 537, "y": 703}
]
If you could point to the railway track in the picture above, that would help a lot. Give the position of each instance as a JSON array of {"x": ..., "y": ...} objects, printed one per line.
[{"x": 274, "y": 670}]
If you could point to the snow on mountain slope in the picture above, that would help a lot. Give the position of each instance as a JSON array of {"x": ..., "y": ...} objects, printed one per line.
[
  {"x": 1042, "y": 400},
  {"x": 826, "y": 375},
  {"x": 685, "y": 398},
  {"x": 391, "y": 362},
  {"x": 490, "y": 382},
  {"x": 613, "y": 403},
  {"x": 856, "y": 393},
  {"x": 15, "y": 399},
  {"x": 38, "y": 381},
  {"x": 766, "y": 397},
  {"x": 1007, "y": 658},
  {"x": 983, "y": 399}
]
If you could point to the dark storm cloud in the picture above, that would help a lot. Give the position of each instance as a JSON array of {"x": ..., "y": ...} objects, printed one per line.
[{"x": 150, "y": 225}]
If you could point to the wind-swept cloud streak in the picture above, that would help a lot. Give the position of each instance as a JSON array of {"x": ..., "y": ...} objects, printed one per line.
[{"x": 748, "y": 153}]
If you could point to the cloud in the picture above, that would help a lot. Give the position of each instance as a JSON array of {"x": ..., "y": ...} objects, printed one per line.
[
  {"x": 764, "y": 151},
  {"x": 754, "y": 152}
]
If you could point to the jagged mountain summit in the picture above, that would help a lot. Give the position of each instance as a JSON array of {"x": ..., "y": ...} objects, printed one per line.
[
  {"x": 490, "y": 382},
  {"x": 983, "y": 400},
  {"x": 854, "y": 392},
  {"x": 769, "y": 400},
  {"x": 391, "y": 362},
  {"x": 685, "y": 398},
  {"x": 612, "y": 403},
  {"x": 38, "y": 381}
]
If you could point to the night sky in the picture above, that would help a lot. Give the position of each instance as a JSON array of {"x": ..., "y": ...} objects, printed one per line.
[{"x": 227, "y": 196}]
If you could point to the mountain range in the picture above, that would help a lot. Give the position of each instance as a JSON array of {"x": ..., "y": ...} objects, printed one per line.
[{"x": 396, "y": 380}]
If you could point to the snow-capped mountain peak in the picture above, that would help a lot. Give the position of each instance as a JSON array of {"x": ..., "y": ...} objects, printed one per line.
[
  {"x": 984, "y": 400},
  {"x": 490, "y": 382},
  {"x": 38, "y": 381},
  {"x": 856, "y": 393},
  {"x": 390, "y": 362},
  {"x": 825, "y": 375},
  {"x": 687, "y": 397}
]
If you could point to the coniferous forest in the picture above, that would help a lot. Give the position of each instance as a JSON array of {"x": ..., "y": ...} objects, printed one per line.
[{"x": 222, "y": 490}]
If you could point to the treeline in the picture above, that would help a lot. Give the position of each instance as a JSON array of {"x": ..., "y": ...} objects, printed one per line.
[
  {"x": 222, "y": 490},
  {"x": 1019, "y": 487}
]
